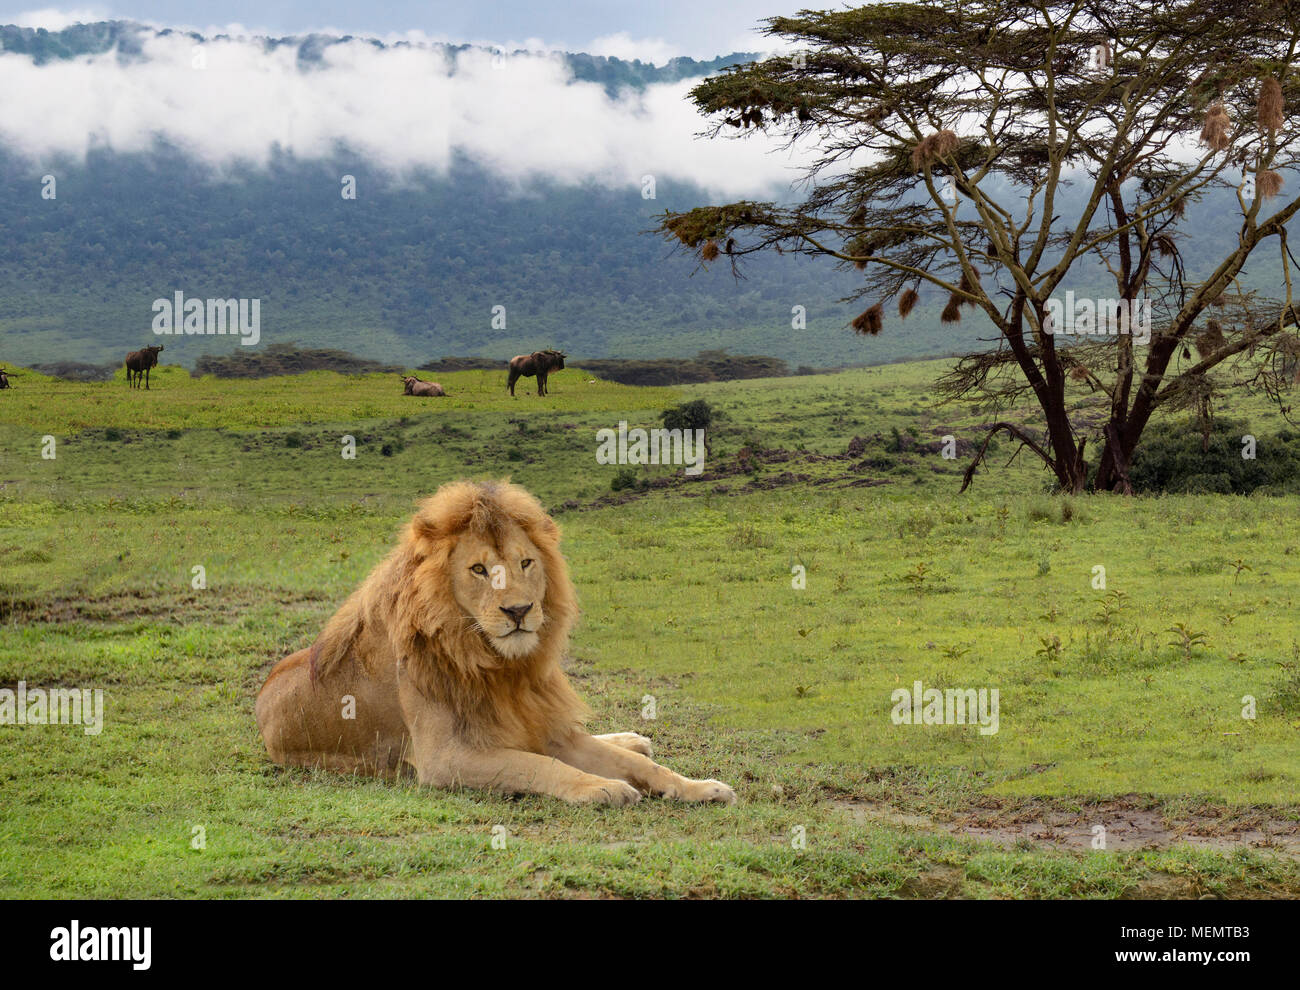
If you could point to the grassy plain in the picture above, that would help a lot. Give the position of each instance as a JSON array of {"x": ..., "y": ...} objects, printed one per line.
[{"x": 1116, "y": 705}]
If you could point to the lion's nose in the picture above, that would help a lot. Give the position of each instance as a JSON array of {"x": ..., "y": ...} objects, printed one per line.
[{"x": 516, "y": 612}]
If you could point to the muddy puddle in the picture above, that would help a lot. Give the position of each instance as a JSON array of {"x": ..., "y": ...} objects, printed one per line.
[{"x": 1126, "y": 827}]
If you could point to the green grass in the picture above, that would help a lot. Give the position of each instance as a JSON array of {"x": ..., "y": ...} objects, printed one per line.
[
  {"x": 688, "y": 598},
  {"x": 177, "y": 401}
]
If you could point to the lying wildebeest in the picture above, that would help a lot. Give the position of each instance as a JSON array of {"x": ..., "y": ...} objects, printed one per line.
[
  {"x": 539, "y": 363},
  {"x": 415, "y": 386},
  {"x": 138, "y": 364}
]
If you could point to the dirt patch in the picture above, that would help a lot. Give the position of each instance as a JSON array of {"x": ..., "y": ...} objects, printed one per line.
[
  {"x": 935, "y": 884},
  {"x": 127, "y": 605},
  {"x": 742, "y": 468},
  {"x": 1124, "y": 824}
]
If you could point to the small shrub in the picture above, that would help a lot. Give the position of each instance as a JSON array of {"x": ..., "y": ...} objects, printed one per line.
[
  {"x": 694, "y": 415},
  {"x": 624, "y": 478},
  {"x": 1288, "y": 694},
  {"x": 918, "y": 524}
]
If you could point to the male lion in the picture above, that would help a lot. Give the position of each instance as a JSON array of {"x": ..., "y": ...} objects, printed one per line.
[{"x": 447, "y": 658}]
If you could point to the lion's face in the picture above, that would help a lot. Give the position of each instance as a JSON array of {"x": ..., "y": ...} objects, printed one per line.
[{"x": 500, "y": 585}]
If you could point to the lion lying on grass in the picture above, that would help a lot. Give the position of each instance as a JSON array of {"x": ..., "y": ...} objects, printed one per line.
[{"x": 447, "y": 658}]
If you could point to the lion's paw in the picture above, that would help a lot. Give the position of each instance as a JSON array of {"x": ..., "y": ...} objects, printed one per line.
[
  {"x": 606, "y": 791},
  {"x": 709, "y": 790}
]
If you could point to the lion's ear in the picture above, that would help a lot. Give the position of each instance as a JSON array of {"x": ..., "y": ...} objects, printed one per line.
[
  {"x": 437, "y": 519},
  {"x": 426, "y": 533},
  {"x": 424, "y": 530},
  {"x": 548, "y": 528}
]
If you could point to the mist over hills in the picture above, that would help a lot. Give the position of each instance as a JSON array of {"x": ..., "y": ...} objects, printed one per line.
[
  {"x": 127, "y": 40},
  {"x": 545, "y": 217}
]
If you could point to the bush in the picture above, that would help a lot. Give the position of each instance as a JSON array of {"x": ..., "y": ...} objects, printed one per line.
[
  {"x": 625, "y": 478},
  {"x": 695, "y": 415},
  {"x": 286, "y": 359},
  {"x": 76, "y": 371},
  {"x": 707, "y": 366},
  {"x": 1170, "y": 458}
]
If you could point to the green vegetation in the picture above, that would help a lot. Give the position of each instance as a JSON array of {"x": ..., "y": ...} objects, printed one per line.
[
  {"x": 289, "y": 359},
  {"x": 1116, "y": 704},
  {"x": 178, "y": 401},
  {"x": 694, "y": 415},
  {"x": 568, "y": 262},
  {"x": 707, "y": 366},
  {"x": 286, "y": 359},
  {"x": 1173, "y": 458}
]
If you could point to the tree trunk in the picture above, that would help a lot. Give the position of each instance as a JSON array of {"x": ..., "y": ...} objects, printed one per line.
[
  {"x": 1073, "y": 473},
  {"x": 1116, "y": 457},
  {"x": 1067, "y": 455}
]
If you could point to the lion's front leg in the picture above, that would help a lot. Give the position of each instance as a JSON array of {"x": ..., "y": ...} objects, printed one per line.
[
  {"x": 441, "y": 759},
  {"x": 513, "y": 771},
  {"x": 595, "y": 755},
  {"x": 634, "y": 741}
]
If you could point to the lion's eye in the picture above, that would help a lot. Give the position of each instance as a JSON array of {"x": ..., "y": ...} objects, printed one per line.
[
  {"x": 479, "y": 569},
  {"x": 525, "y": 564}
]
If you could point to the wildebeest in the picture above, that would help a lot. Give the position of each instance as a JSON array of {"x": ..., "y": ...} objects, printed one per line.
[
  {"x": 4, "y": 378},
  {"x": 138, "y": 364},
  {"x": 539, "y": 363},
  {"x": 415, "y": 386}
]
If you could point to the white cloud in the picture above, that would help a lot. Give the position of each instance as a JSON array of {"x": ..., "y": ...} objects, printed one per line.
[
  {"x": 56, "y": 20},
  {"x": 400, "y": 108},
  {"x": 622, "y": 45}
]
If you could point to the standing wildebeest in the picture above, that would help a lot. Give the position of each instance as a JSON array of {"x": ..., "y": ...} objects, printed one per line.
[
  {"x": 138, "y": 364},
  {"x": 539, "y": 363},
  {"x": 414, "y": 386},
  {"x": 4, "y": 378}
]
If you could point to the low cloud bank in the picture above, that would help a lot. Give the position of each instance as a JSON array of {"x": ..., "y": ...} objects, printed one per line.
[{"x": 404, "y": 107}]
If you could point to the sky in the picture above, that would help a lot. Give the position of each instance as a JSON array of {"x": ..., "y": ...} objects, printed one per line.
[
  {"x": 654, "y": 30},
  {"x": 404, "y": 109}
]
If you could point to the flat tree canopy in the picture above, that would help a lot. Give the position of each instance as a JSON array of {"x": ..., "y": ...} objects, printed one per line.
[{"x": 921, "y": 116}]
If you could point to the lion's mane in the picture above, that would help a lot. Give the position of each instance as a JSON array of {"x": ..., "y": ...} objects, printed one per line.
[{"x": 405, "y": 613}]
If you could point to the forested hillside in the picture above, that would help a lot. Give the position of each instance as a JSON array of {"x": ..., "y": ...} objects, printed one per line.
[
  {"x": 415, "y": 265},
  {"x": 405, "y": 271}
]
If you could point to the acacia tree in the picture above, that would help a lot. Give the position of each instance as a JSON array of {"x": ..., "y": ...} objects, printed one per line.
[{"x": 941, "y": 134}]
